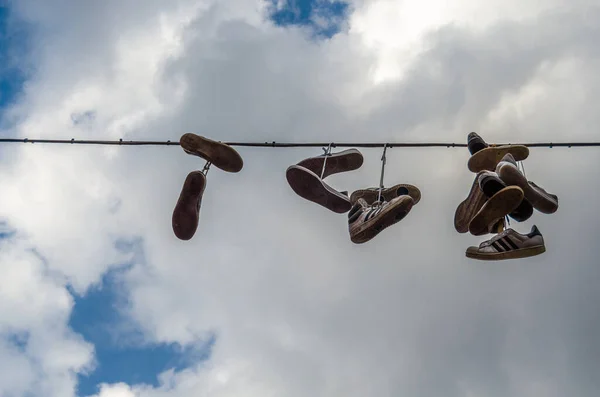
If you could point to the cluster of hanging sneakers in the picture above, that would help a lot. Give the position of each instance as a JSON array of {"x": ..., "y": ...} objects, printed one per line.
[
  {"x": 370, "y": 210},
  {"x": 500, "y": 190}
]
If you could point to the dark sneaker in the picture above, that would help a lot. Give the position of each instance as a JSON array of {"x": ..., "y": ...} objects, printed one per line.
[
  {"x": 490, "y": 183},
  {"x": 187, "y": 210},
  {"x": 367, "y": 221},
  {"x": 469, "y": 207},
  {"x": 371, "y": 195},
  {"x": 475, "y": 143},
  {"x": 310, "y": 186},
  {"x": 497, "y": 207},
  {"x": 509, "y": 245},
  {"x": 489, "y": 157},
  {"x": 541, "y": 200},
  {"x": 219, "y": 154},
  {"x": 347, "y": 160}
]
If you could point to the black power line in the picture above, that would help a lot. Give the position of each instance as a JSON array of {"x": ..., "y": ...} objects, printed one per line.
[{"x": 121, "y": 142}]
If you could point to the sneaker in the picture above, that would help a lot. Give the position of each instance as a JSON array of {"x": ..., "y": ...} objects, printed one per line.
[
  {"x": 475, "y": 143},
  {"x": 365, "y": 221},
  {"x": 371, "y": 195},
  {"x": 187, "y": 210},
  {"x": 219, "y": 154},
  {"x": 540, "y": 199},
  {"x": 347, "y": 160},
  {"x": 469, "y": 207},
  {"x": 488, "y": 157},
  {"x": 509, "y": 245},
  {"x": 490, "y": 183},
  {"x": 310, "y": 186},
  {"x": 494, "y": 209}
]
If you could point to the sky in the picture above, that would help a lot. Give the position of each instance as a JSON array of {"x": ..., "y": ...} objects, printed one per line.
[{"x": 270, "y": 298}]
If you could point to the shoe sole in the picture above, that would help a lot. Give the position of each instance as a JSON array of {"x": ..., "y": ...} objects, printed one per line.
[
  {"x": 492, "y": 185},
  {"x": 516, "y": 254},
  {"x": 311, "y": 187},
  {"x": 347, "y": 160},
  {"x": 219, "y": 154},
  {"x": 498, "y": 206},
  {"x": 390, "y": 216},
  {"x": 488, "y": 158},
  {"x": 186, "y": 213},
  {"x": 371, "y": 195},
  {"x": 512, "y": 176},
  {"x": 469, "y": 207}
]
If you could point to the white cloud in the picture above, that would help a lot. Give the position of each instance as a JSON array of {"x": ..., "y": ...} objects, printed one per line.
[{"x": 298, "y": 310}]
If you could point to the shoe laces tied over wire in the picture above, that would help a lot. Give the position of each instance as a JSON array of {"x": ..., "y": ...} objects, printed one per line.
[
  {"x": 326, "y": 154},
  {"x": 383, "y": 161}
]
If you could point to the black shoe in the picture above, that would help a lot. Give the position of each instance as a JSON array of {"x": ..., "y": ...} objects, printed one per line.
[
  {"x": 475, "y": 143},
  {"x": 491, "y": 184}
]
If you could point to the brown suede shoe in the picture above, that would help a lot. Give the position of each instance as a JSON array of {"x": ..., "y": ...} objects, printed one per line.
[
  {"x": 367, "y": 221},
  {"x": 187, "y": 210},
  {"x": 497, "y": 207},
  {"x": 371, "y": 195},
  {"x": 469, "y": 207},
  {"x": 219, "y": 154},
  {"x": 310, "y": 186},
  {"x": 347, "y": 160}
]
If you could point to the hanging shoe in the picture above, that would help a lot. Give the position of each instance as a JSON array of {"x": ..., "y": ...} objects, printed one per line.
[
  {"x": 495, "y": 208},
  {"x": 490, "y": 184},
  {"x": 365, "y": 221},
  {"x": 219, "y": 154},
  {"x": 509, "y": 245},
  {"x": 475, "y": 143},
  {"x": 347, "y": 160},
  {"x": 371, "y": 195},
  {"x": 310, "y": 186},
  {"x": 486, "y": 157},
  {"x": 541, "y": 200},
  {"x": 187, "y": 210},
  {"x": 467, "y": 210}
]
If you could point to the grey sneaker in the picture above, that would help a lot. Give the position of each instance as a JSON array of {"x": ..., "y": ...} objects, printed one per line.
[
  {"x": 541, "y": 200},
  {"x": 365, "y": 221},
  {"x": 509, "y": 245}
]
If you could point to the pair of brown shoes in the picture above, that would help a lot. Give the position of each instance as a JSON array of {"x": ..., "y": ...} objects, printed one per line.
[
  {"x": 187, "y": 210},
  {"x": 368, "y": 214}
]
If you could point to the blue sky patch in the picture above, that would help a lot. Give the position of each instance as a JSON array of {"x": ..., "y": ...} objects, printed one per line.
[
  {"x": 13, "y": 49},
  {"x": 119, "y": 355},
  {"x": 324, "y": 17}
]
